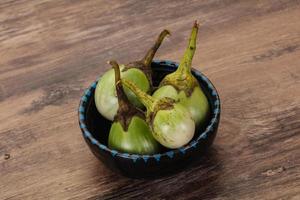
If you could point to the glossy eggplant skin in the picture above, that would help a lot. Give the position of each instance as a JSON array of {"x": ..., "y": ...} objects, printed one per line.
[
  {"x": 95, "y": 129},
  {"x": 171, "y": 123},
  {"x": 105, "y": 94},
  {"x": 173, "y": 128},
  {"x": 197, "y": 103},
  {"x": 182, "y": 86},
  {"x": 139, "y": 72},
  {"x": 137, "y": 139},
  {"x": 129, "y": 132}
]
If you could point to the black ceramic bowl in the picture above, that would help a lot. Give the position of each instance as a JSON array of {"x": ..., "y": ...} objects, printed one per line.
[{"x": 95, "y": 129}]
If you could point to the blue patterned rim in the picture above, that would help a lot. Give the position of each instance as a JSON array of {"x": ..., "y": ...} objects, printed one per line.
[{"x": 157, "y": 157}]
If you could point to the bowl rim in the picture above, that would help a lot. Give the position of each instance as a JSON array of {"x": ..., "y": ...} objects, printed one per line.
[{"x": 182, "y": 150}]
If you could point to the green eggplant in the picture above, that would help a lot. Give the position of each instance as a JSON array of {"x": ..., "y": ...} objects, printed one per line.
[
  {"x": 138, "y": 72},
  {"x": 129, "y": 132},
  {"x": 171, "y": 123},
  {"x": 182, "y": 86}
]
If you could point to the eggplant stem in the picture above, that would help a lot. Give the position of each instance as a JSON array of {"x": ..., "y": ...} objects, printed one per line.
[
  {"x": 116, "y": 68},
  {"x": 151, "y": 52},
  {"x": 123, "y": 101},
  {"x": 146, "y": 99},
  {"x": 186, "y": 62}
]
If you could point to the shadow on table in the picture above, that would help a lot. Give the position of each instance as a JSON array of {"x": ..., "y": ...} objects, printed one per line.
[{"x": 199, "y": 179}]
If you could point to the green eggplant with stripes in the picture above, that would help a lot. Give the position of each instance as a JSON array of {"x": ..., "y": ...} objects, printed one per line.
[
  {"x": 182, "y": 86},
  {"x": 129, "y": 132},
  {"x": 138, "y": 72},
  {"x": 171, "y": 123}
]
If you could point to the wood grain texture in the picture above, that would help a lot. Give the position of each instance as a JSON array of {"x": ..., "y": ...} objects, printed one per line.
[{"x": 51, "y": 50}]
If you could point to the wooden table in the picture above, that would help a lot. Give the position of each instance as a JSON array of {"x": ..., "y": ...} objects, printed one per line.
[{"x": 50, "y": 51}]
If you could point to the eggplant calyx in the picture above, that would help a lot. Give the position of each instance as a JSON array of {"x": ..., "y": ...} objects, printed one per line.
[
  {"x": 126, "y": 110},
  {"x": 181, "y": 83},
  {"x": 182, "y": 79},
  {"x": 165, "y": 103}
]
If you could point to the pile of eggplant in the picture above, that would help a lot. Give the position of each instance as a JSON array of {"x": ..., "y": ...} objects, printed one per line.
[{"x": 145, "y": 121}]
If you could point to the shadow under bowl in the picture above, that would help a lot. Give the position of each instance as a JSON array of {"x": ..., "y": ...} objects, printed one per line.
[{"x": 95, "y": 129}]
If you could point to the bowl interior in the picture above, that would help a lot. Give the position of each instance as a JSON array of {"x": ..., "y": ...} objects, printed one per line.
[{"x": 99, "y": 127}]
